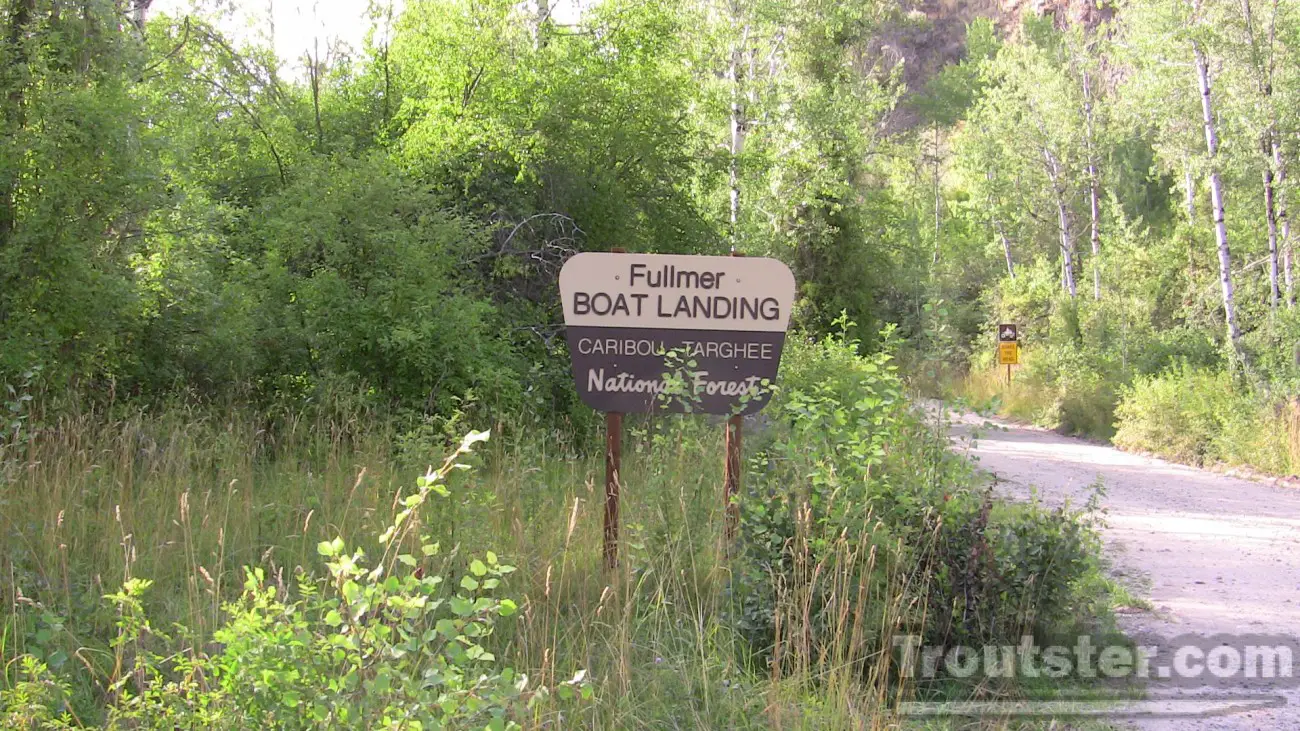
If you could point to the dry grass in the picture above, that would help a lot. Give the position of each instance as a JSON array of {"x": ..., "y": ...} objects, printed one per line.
[
  {"x": 187, "y": 497},
  {"x": 1021, "y": 399}
]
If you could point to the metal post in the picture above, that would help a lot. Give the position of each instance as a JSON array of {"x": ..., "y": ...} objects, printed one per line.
[{"x": 613, "y": 466}]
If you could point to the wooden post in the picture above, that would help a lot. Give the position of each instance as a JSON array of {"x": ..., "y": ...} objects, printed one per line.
[
  {"x": 731, "y": 474},
  {"x": 731, "y": 465},
  {"x": 613, "y": 472},
  {"x": 1008, "y": 374},
  {"x": 613, "y": 466}
]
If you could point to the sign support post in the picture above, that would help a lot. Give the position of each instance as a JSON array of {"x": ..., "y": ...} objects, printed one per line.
[
  {"x": 731, "y": 467},
  {"x": 613, "y": 467},
  {"x": 731, "y": 474}
]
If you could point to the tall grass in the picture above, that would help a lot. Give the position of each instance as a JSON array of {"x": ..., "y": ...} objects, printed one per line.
[
  {"x": 857, "y": 524},
  {"x": 1204, "y": 416},
  {"x": 1194, "y": 415},
  {"x": 1053, "y": 387},
  {"x": 187, "y": 496},
  {"x": 988, "y": 389}
]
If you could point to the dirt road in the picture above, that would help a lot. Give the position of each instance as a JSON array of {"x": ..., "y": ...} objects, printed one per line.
[{"x": 1213, "y": 553}]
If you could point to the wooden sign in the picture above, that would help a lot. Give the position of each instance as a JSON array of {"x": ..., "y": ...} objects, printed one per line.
[
  {"x": 651, "y": 332},
  {"x": 1008, "y": 354},
  {"x": 1008, "y": 333}
]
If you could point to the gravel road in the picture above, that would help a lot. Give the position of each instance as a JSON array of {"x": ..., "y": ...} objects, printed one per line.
[{"x": 1214, "y": 554}]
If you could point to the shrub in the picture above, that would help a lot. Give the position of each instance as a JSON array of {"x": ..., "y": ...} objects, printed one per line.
[
  {"x": 858, "y": 490},
  {"x": 1257, "y": 434},
  {"x": 37, "y": 701},
  {"x": 351, "y": 271},
  {"x": 1177, "y": 414},
  {"x": 1203, "y": 416},
  {"x": 1078, "y": 353}
]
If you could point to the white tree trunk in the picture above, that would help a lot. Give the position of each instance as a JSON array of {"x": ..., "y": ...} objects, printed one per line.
[
  {"x": 1216, "y": 198},
  {"x": 737, "y": 146},
  {"x": 997, "y": 226},
  {"x": 1063, "y": 221},
  {"x": 1094, "y": 190},
  {"x": 1006, "y": 247},
  {"x": 540, "y": 19},
  {"x": 1270, "y": 215},
  {"x": 1263, "y": 71},
  {"x": 1279, "y": 164}
]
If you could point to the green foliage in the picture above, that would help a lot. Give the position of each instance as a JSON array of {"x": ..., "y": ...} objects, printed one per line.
[
  {"x": 37, "y": 700},
  {"x": 401, "y": 644},
  {"x": 1080, "y": 354},
  {"x": 73, "y": 177},
  {"x": 847, "y": 463},
  {"x": 1203, "y": 416},
  {"x": 363, "y": 263}
]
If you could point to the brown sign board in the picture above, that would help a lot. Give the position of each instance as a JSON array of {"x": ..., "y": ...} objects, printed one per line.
[
  {"x": 1008, "y": 333},
  {"x": 650, "y": 332}
]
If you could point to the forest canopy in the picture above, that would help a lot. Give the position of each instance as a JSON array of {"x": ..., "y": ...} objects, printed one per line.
[{"x": 183, "y": 211}]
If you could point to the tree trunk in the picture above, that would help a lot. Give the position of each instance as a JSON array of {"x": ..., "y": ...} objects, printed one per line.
[
  {"x": 540, "y": 19},
  {"x": 1094, "y": 190},
  {"x": 737, "y": 147},
  {"x": 1270, "y": 215},
  {"x": 997, "y": 226},
  {"x": 1189, "y": 187},
  {"x": 1063, "y": 221},
  {"x": 140, "y": 13},
  {"x": 314, "y": 70},
  {"x": 938, "y": 199},
  {"x": 1263, "y": 71},
  {"x": 1279, "y": 164},
  {"x": 1216, "y": 199},
  {"x": 15, "y": 113},
  {"x": 1006, "y": 247}
]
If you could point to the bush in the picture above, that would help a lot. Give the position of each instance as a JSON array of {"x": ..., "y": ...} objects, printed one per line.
[
  {"x": 1203, "y": 416},
  {"x": 1178, "y": 414},
  {"x": 1078, "y": 354},
  {"x": 857, "y": 487},
  {"x": 352, "y": 271}
]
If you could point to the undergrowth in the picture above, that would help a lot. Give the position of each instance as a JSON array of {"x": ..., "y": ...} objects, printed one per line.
[{"x": 187, "y": 568}]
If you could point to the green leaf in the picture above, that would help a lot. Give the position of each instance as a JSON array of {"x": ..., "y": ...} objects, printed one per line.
[
  {"x": 473, "y": 438},
  {"x": 447, "y": 628}
]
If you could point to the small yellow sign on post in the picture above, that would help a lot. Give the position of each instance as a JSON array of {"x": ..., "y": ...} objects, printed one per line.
[{"x": 1008, "y": 354}]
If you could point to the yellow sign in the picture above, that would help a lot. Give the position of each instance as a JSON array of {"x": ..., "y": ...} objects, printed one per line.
[{"x": 1008, "y": 354}]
